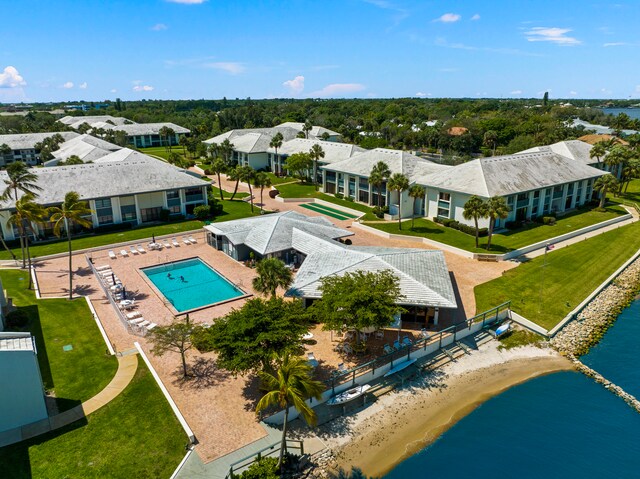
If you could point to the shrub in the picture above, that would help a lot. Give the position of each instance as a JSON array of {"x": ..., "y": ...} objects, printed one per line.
[
  {"x": 512, "y": 225},
  {"x": 339, "y": 196},
  {"x": 202, "y": 212},
  {"x": 273, "y": 193},
  {"x": 456, "y": 225},
  {"x": 16, "y": 319},
  {"x": 264, "y": 468},
  {"x": 113, "y": 227},
  {"x": 348, "y": 198},
  {"x": 379, "y": 211},
  {"x": 549, "y": 220},
  {"x": 216, "y": 207},
  {"x": 164, "y": 214},
  {"x": 201, "y": 340}
]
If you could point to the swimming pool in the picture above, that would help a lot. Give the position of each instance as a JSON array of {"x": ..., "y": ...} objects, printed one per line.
[{"x": 191, "y": 284}]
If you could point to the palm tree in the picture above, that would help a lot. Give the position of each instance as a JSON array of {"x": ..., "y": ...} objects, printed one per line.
[
  {"x": 306, "y": 128},
  {"x": 398, "y": 182},
  {"x": 475, "y": 208},
  {"x": 379, "y": 173},
  {"x": 262, "y": 181},
  {"x": 20, "y": 178},
  {"x": 598, "y": 151},
  {"x": 618, "y": 155},
  {"x": 490, "y": 138},
  {"x": 72, "y": 210},
  {"x": 497, "y": 208},
  {"x": 603, "y": 184},
  {"x": 275, "y": 143},
  {"x": 272, "y": 274},
  {"x": 631, "y": 171},
  {"x": 226, "y": 150},
  {"x": 183, "y": 142},
  {"x": 234, "y": 174},
  {"x": 290, "y": 385},
  {"x": 246, "y": 174},
  {"x": 26, "y": 214},
  {"x": 219, "y": 166},
  {"x": 416, "y": 192},
  {"x": 316, "y": 153}
]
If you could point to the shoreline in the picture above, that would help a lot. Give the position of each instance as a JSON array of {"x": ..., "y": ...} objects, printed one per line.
[{"x": 407, "y": 420}]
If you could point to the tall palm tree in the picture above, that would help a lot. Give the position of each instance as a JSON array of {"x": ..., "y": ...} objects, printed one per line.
[
  {"x": 316, "y": 153},
  {"x": 20, "y": 178},
  {"x": 598, "y": 151},
  {"x": 27, "y": 214},
  {"x": 246, "y": 174},
  {"x": 235, "y": 174},
  {"x": 416, "y": 192},
  {"x": 618, "y": 155},
  {"x": 631, "y": 171},
  {"x": 398, "y": 182},
  {"x": 272, "y": 274},
  {"x": 219, "y": 166},
  {"x": 490, "y": 138},
  {"x": 497, "y": 208},
  {"x": 603, "y": 184},
  {"x": 275, "y": 143},
  {"x": 226, "y": 150},
  {"x": 475, "y": 208},
  {"x": 72, "y": 210},
  {"x": 262, "y": 181},
  {"x": 306, "y": 128},
  {"x": 378, "y": 174},
  {"x": 290, "y": 385}
]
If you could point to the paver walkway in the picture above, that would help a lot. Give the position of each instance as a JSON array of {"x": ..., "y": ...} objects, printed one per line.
[{"x": 127, "y": 366}]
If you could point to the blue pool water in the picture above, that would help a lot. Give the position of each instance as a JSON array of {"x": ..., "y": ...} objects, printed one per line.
[
  {"x": 191, "y": 284},
  {"x": 561, "y": 425}
]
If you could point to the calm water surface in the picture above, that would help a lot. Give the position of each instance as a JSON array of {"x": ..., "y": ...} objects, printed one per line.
[{"x": 632, "y": 112}]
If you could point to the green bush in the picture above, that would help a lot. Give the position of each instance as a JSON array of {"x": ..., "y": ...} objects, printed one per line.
[
  {"x": 16, "y": 319},
  {"x": 265, "y": 468},
  {"x": 380, "y": 211},
  {"x": 549, "y": 220},
  {"x": 113, "y": 227},
  {"x": 201, "y": 340},
  {"x": 164, "y": 214},
  {"x": 339, "y": 196},
  {"x": 202, "y": 212},
  {"x": 456, "y": 225}
]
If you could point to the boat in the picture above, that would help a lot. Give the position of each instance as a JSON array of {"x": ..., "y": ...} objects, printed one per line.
[
  {"x": 400, "y": 366},
  {"x": 502, "y": 329},
  {"x": 348, "y": 395}
]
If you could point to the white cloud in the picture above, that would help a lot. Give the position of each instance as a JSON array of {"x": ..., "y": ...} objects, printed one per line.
[
  {"x": 142, "y": 88},
  {"x": 113, "y": 90},
  {"x": 187, "y": 2},
  {"x": 637, "y": 88},
  {"x": 554, "y": 35},
  {"x": 606, "y": 91},
  {"x": 476, "y": 17},
  {"x": 421, "y": 94},
  {"x": 158, "y": 27},
  {"x": 10, "y": 78},
  {"x": 614, "y": 44},
  {"x": 67, "y": 85},
  {"x": 516, "y": 92},
  {"x": 573, "y": 93},
  {"x": 295, "y": 86},
  {"x": 448, "y": 18},
  {"x": 233, "y": 68},
  {"x": 83, "y": 86},
  {"x": 338, "y": 89}
]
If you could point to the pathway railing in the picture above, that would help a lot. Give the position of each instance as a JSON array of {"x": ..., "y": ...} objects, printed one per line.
[{"x": 272, "y": 450}]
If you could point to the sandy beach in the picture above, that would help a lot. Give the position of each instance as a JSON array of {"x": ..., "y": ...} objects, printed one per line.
[{"x": 401, "y": 423}]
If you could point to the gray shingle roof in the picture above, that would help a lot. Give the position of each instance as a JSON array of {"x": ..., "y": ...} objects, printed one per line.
[
  {"x": 333, "y": 151},
  {"x": 149, "y": 128},
  {"x": 139, "y": 174},
  {"x": 511, "y": 174},
  {"x": 316, "y": 131},
  {"x": 10, "y": 341},
  {"x": 75, "y": 121},
  {"x": 573, "y": 149},
  {"x": 275, "y": 232},
  {"x": 86, "y": 147},
  {"x": 398, "y": 161},
  {"x": 26, "y": 141},
  {"x": 423, "y": 274},
  {"x": 253, "y": 140}
]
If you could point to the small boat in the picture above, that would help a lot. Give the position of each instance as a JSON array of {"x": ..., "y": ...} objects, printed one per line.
[
  {"x": 348, "y": 395},
  {"x": 399, "y": 367},
  {"x": 502, "y": 329}
]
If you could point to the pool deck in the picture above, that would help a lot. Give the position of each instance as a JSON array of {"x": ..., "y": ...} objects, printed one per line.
[{"x": 217, "y": 406}]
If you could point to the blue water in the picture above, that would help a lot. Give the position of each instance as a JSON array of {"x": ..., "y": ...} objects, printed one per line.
[
  {"x": 560, "y": 425},
  {"x": 632, "y": 112},
  {"x": 191, "y": 284}
]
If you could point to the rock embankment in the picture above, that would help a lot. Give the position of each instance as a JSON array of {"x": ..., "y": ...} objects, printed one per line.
[{"x": 593, "y": 321}]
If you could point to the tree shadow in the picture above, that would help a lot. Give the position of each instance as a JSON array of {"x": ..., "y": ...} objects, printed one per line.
[
  {"x": 83, "y": 271},
  {"x": 82, "y": 290},
  {"x": 203, "y": 373},
  {"x": 251, "y": 392}
]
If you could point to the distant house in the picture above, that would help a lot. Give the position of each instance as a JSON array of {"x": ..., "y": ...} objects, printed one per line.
[
  {"x": 270, "y": 236},
  {"x": 23, "y": 146},
  {"x": 122, "y": 187},
  {"x": 318, "y": 132},
  {"x": 457, "y": 131},
  {"x": 22, "y": 399},
  {"x": 74, "y": 122},
  {"x": 86, "y": 147},
  {"x": 142, "y": 135}
]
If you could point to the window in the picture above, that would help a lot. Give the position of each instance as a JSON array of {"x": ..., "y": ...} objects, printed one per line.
[
  {"x": 443, "y": 212},
  {"x": 173, "y": 202},
  {"x": 128, "y": 213},
  {"x": 193, "y": 194},
  {"x": 444, "y": 196},
  {"x": 104, "y": 212},
  {"x": 150, "y": 214}
]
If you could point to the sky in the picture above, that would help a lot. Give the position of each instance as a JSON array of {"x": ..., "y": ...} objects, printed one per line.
[{"x": 71, "y": 50}]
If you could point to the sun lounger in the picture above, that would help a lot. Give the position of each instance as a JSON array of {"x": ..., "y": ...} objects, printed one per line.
[
  {"x": 387, "y": 349},
  {"x": 112, "y": 255},
  {"x": 105, "y": 273},
  {"x": 407, "y": 342},
  {"x": 185, "y": 240},
  {"x": 141, "y": 249},
  {"x": 192, "y": 239},
  {"x": 311, "y": 359},
  {"x": 397, "y": 345},
  {"x": 135, "y": 314},
  {"x": 347, "y": 349},
  {"x": 127, "y": 304},
  {"x": 133, "y": 250},
  {"x": 151, "y": 326},
  {"x": 175, "y": 242},
  {"x": 104, "y": 267},
  {"x": 166, "y": 244},
  {"x": 124, "y": 253},
  {"x": 136, "y": 321},
  {"x": 144, "y": 323},
  {"x": 379, "y": 334}
]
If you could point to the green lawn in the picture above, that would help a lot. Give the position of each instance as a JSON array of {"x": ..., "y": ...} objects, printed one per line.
[
  {"x": 277, "y": 180},
  {"x": 161, "y": 151},
  {"x": 297, "y": 190},
  {"x": 508, "y": 241},
  {"x": 75, "y": 375},
  {"x": 135, "y": 435},
  {"x": 570, "y": 275}
]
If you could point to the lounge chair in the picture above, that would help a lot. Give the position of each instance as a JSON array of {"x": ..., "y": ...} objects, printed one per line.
[
  {"x": 141, "y": 249},
  {"x": 175, "y": 242},
  {"x": 151, "y": 326},
  {"x": 127, "y": 304},
  {"x": 379, "y": 334},
  {"x": 396, "y": 345},
  {"x": 106, "y": 272},
  {"x": 192, "y": 239},
  {"x": 134, "y": 315},
  {"x": 407, "y": 342},
  {"x": 387, "y": 349},
  {"x": 133, "y": 250},
  {"x": 342, "y": 368},
  {"x": 112, "y": 255},
  {"x": 144, "y": 324},
  {"x": 136, "y": 321},
  {"x": 311, "y": 359},
  {"x": 124, "y": 253},
  {"x": 104, "y": 267},
  {"x": 166, "y": 244},
  {"x": 185, "y": 240},
  {"x": 347, "y": 349}
]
